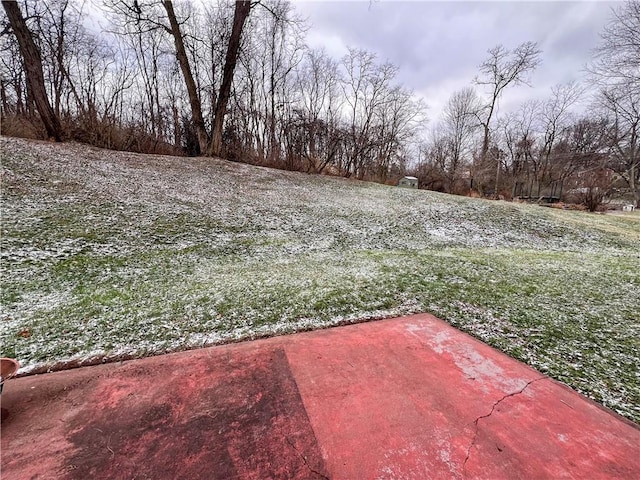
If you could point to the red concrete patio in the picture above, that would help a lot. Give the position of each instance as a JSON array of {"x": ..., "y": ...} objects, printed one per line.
[{"x": 408, "y": 398}]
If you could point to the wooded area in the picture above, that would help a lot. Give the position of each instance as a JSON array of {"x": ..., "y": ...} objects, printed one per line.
[{"x": 236, "y": 79}]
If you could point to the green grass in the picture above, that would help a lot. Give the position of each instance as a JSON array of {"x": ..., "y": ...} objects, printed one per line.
[{"x": 108, "y": 254}]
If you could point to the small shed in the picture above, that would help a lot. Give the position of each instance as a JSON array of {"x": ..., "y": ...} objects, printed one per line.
[{"x": 408, "y": 182}]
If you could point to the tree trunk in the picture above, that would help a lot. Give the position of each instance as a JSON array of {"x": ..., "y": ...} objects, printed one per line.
[
  {"x": 634, "y": 187},
  {"x": 241, "y": 13},
  {"x": 485, "y": 144},
  {"x": 183, "y": 60},
  {"x": 33, "y": 67},
  {"x": 3, "y": 97},
  {"x": 495, "y": 190}
]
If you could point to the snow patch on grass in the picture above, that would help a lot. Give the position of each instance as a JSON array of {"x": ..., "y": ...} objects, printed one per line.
[{"x": 117, "y": 254}]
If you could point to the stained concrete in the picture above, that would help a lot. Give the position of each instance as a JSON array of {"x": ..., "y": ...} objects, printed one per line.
[{"x": 408, "y": 398}]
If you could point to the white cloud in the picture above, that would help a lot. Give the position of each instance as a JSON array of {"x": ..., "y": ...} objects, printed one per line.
[{"x": 439, "y": 45}]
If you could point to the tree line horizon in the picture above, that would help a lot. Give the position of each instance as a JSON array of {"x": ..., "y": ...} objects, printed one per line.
[{"x": 237, "y": 80}]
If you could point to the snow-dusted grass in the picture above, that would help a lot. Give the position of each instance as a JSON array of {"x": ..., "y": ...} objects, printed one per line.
[{"x": 116, "y": 254}]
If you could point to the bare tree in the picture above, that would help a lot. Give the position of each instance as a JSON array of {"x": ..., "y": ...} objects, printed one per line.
[
  {"x": 518, "y": 139},
  {"x": 623, "y": 106},
  {"x": 33, "y": 67},
  {"x": 317, "y": 84},
  {"x": 616, "y": 69},
  {"x": 460, "y": 123},
  {"x": 365, "y": 89},
  {"x": 555, "y": 116},
  {"x": 617, "y": 58},
  {"x": 143, "y": 18},
  {"x": 142, "y": 26},
  {"x": 183, "y": 60},
  {"x": 11, "y": 76},
  {"x": 276, "y": 47},
  {"x": 433, "y": 160},
  {"x": 397, "y": 121},
  {"x": 504, "y": 67},
  {"x": 583, "y": 159},
  {"x": 241, "y": 13}
]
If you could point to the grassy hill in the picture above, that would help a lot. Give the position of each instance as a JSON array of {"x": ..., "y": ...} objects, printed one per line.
[{"x": 113, "y": 254}]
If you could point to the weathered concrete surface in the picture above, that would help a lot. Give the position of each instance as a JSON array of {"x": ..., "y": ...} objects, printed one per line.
[{"x": 403, "y": 398}]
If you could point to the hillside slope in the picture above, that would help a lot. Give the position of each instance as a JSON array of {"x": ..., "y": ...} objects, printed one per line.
[{"x": 116, "y": 254}]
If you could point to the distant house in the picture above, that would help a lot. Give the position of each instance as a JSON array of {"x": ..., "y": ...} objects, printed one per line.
[{"x": 408, "y": 182}]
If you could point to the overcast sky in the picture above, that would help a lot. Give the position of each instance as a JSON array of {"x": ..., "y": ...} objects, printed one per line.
[{"x": 439, "y": 45}]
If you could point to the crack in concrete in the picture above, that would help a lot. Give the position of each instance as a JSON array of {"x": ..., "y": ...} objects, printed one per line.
[
  {"x": 475, "y": 422},
  {"x": 304, "y": 459}
]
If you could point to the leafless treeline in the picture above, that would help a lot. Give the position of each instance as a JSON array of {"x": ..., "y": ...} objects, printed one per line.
[
  {"x": 236, "y": 79},
  {"x": 555, "y": 148},
  {"x": 159, "y": 79}
]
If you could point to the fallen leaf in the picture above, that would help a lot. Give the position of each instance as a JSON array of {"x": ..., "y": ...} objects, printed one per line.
[{"x": 26, "y": 333}]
